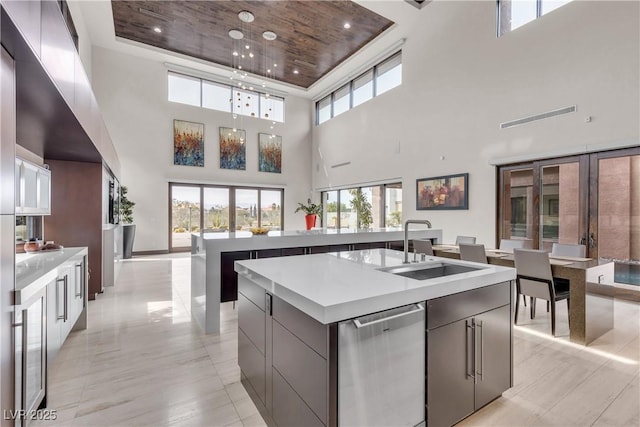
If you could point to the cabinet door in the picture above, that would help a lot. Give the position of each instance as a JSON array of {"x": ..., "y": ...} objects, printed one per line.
[
  {"x": 29, "y": 187},
  {"x": 493, "y": 354},
  {"x": 26, "y": 17},
  {"x": 18, "y": 186},
  {"x": 54, "y": 319},
  {"x": 33, "y": 353},
  {"x": 450, "y": 388},
  {"x": 229, "y": 285},
  {"x": 66, "y": 278},
  {"x": 44, "y": 192}
]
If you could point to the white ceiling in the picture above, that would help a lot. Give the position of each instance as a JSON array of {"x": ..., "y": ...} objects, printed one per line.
[{"x": 98, "y": 20}]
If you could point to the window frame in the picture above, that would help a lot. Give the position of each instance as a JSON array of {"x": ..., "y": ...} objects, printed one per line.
[
  {"x": 350, "y": 84},
  {"x": 259, "y": 95},
  {"x": 539, "y": 14},
  {"x": 232, "y": 206}
]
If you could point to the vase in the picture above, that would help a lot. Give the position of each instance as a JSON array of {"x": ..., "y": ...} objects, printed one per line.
[
  {"x": 311, "y": 221},
  {"x": 128, "y": 235}
]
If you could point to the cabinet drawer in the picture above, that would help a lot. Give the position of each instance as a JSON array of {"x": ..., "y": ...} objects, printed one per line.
[
  {"x": 252, "y": 363},
  {"x": 252, "y": 292},
  {"x": 303, "y": 326},
  {"x": 288, "y": 408},
  {"x": 303, "y": 368},
  {"x": 441, "y": 311},
  {"x": 251, "y": 320}
]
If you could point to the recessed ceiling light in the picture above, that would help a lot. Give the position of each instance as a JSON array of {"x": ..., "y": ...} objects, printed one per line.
[
  {"x": 269, "y": 35},
  {"x": 347, "y": 25},
  {"x": 157, "y": 29},
  {"x": 246, "y": 16},
  {"x": 236, "y": 34},
  {"x": 296, "y": 72}
]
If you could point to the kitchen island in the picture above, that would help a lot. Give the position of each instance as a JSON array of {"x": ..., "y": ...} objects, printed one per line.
[
  {"x": 358, "y": 338},
  {"x": 213, "y": 279}
]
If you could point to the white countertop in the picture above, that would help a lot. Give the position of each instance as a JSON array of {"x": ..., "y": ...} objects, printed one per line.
[
  {"x": 35, "y": 270},
  {"x": 339, "y": 286},
  {"x": 287, "y": 233}
]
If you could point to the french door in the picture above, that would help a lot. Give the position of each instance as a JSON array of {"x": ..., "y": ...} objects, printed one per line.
[{"x": 591, "y": 199}]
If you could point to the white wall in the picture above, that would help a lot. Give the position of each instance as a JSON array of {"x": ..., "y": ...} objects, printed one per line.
[
  {"x": 132, "y": 94},
  {"x": 460, "y": 82}
]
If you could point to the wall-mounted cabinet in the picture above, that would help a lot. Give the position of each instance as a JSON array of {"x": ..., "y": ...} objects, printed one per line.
[{"x": 33, "y": 189}]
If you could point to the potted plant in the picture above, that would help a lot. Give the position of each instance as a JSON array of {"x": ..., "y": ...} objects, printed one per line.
[
  {"x": 126, "y": 218},
  {"x": 312, "y": 211}
]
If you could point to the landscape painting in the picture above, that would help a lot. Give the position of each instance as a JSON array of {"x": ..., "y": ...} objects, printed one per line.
[
  {"x": 233, "y": 153},
  {"x": 188, "y": 143},
  {"x": 443, "y": 192},
  {"x": 269, "y": 153}
]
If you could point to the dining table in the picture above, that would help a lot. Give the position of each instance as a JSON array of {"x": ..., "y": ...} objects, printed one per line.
[{"x": 591, "y": 289}]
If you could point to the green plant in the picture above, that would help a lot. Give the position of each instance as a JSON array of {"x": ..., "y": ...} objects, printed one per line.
[
  {"x": 362, "y": 206},
  {"x": 126, "y": 206},
  {"x": 309, "y": 208}
]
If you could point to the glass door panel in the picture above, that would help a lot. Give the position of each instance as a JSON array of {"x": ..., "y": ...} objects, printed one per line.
[
  {"x": 330, "y": 209},
  {"x": 216, "y": 209},
  {"x": 246, "y": 209},
  {"x": 518, "y": 206},
  {"x": 348, "y": 216},
  {"x": 617, "y": 235},
  {"x": 560, "y": 205},
  {"x": 393, "y": 205},
  {"x": 374, "y": 197},
  {"x": 270, "y": 209},
  {"x": 185, "y": 214}
]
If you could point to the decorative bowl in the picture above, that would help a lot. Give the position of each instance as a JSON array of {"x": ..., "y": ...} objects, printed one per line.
[
  {"x": 259, "y": 231},
  {"x": 33, "y": 246}
]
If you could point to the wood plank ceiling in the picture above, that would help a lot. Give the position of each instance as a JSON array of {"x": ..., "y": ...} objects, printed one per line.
[{"x": 311, "y": 35}]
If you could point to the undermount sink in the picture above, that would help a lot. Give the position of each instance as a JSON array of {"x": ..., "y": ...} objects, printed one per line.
[{"x": 429, "y": 271}]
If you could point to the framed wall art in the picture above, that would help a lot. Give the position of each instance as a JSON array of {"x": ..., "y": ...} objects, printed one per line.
[
  {"x": 269, "y": 153},
  {"x": 443, "y": 192},
  {"x": 188, "y": 143},
  {"x": 233, "y": 150}
]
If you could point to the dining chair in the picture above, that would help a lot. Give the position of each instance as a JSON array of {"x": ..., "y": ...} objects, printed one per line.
[
  {"x": 423, "y": 246},
  {"x": 465, "y": 239},
  {"x": 534, "y": 279},
  {"x": 511, "y": 244},
  {"x": 561, "y": 249},
  {"x": 473, "y": 252}
]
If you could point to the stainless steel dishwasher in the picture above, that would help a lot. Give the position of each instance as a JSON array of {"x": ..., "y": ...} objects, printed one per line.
[{"x": 381, "y": 368}]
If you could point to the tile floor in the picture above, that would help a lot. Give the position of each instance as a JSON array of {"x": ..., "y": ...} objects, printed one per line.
[{"x": 142, "y": 362}]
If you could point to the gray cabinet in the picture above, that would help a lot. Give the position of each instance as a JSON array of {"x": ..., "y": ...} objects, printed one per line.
[
  {"x": 283, "y": 357},
  {"x": 26, "y": 16},
  {"x": 468, "y": 352}
]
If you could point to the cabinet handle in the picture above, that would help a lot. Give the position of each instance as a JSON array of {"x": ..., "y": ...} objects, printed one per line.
[
  {"x": 66, "y": 291},
  {"x": 384, "y": 319},
  {"x": 480, "y": 373},
  {"x": 58, "y": 316},
  {"x": 25, "y": 343},
  {"x": 470, "y": 349},
  {"x": 268, "y": 304},
  {"x": 78, "y": 293}
]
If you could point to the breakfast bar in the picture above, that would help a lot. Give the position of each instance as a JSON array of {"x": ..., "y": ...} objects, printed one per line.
[{"x": 213, "y": 279}]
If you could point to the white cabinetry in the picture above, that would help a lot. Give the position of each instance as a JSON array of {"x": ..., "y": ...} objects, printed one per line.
[
  {"x": 66, "y": 301},
  {"x": 33, "y": 189}
]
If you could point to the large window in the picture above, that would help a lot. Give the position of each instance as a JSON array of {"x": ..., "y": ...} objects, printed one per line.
[
  {"x": 340, "y": 207},
  {"x": 221, "y": 97},
  {"x": 215, "y": 209},
  {"x": 384, "y": 76},
  {"x": 514, "y": 14}
]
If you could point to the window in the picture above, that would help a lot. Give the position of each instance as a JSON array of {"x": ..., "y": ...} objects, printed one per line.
[
  {"x": 385, "y": 201},
  {"x": 221, "y": 97},
  {"x": 388, "y": 74},
  {"x": 341, "y": 100},
  {"x": 224, "y": 208},
  {"x": 216, "y": 96},
  {"x": 183, "y": 89},
  {"x": 514, "y": 14},
  {"x": 363, "y": 88},
  {"x": 324, "y": 109}
]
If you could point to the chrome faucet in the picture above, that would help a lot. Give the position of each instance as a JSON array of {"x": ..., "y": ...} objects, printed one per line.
[{"x": 406, "y": 235}]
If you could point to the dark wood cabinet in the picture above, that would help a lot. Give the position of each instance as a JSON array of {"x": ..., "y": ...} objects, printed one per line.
[{"x": 229, "y": 289}]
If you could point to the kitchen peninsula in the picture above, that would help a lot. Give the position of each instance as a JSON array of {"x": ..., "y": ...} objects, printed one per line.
[
  {"x": 349, "y": 338},
  {"x": 213, "y": 279}
]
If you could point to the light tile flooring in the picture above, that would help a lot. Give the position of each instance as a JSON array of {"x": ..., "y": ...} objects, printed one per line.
[{"x": 142, "y": 362}]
